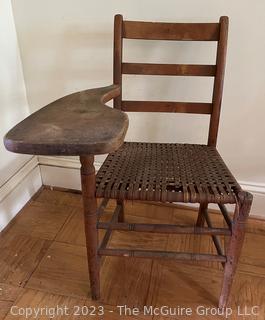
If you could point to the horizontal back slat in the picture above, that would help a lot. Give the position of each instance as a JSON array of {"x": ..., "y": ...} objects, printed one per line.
[
  {"x": 171, "y": 31},
  {"x": 169, "y": 69},
  {"x": 167, "y": 106}
]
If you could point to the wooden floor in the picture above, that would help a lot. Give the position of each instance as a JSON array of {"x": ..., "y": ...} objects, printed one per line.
[{"x": 43, "y": 264}]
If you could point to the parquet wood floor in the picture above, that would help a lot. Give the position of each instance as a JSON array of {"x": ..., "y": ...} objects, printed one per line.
[{"x": 43, "y": 264}]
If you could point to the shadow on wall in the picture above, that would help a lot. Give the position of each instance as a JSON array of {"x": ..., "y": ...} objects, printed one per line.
[
  {"x": 78, "y": 58},
  {"x": 67, "y": 62},
  {"x": 12, "y": 203}
]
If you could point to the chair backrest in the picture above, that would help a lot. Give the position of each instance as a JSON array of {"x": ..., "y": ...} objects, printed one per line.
[{"x": 173, "y": 31}]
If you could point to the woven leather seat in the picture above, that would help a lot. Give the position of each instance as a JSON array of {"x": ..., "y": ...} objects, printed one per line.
[{"x": 166, "y": 172}]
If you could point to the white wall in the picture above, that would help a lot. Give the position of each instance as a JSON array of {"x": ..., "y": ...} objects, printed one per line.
[
  {"x": 13, "y": 101},
  {"x": 67, "y": 46},
  {"x": 13, "y": 108}
]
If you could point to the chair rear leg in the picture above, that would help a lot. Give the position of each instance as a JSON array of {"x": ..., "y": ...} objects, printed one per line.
[
  {"x": 235, "y": 245},
  {"x": 201, "y": 217},
  {"x": 226, "y": 239},
  {"x": 88, "y": 182},
  {"x": 121, "y": 214}
]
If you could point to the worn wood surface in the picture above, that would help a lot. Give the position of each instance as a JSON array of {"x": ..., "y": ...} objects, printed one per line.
[
  {"x": 8, "y": 296},
  {"x": 88, "y": 183},
  {"x": 76, "y": 308},
  {"x": 171, "y": 31},
  {"x": 179, "y": 32},
  {"x": 78, "y": 124},
  {"x": 167, "y": 106},
  {"x": 20, "y": 255},
  {"x": 169, "y": 69},
  {"x": 218, "y": 81},
  {"x": 235, "y": 245},
  {"x": 57, "y": 274},
  {"x": 117, "y": 58}
]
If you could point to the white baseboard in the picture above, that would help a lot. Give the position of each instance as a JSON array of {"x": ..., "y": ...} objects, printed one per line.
[
  {"x": 18, "y": 190},
  {"x": 61, "y": 172},
  {"x": 68, "y": 163},
  {"x": 64, "y": 173}
]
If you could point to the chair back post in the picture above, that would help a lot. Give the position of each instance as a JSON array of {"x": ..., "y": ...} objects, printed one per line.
[
  {"x": 219, "y": 81},
  {"x": 117, "y": 57},
  {"x": 178, "y": 32}
]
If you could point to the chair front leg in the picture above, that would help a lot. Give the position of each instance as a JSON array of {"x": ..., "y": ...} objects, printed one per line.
[
  {"x": 88, "y": 182},
  {"x": 235, "y": 245}
]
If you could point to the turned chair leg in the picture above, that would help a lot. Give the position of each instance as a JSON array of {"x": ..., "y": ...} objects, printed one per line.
[
  {"x": 121, "y": 213},
  {"x": 88, "y": 182},
  {"x": 201, "y": 217},
  {"x": 235, "y": 245}
]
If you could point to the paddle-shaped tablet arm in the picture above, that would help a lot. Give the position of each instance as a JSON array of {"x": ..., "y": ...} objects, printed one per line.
[{"x": 77, "y": 124}]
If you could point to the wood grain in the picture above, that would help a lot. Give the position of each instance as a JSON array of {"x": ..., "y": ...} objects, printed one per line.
[
  {"x": 63, "y": 270},
  {"x": 68, "y": 198},
  {"x": 218, "y": 82},
  {"x": 171, "y": 31},
  {"x": 117, "y": 57},
  {"x": 166, "y": 106},
  {"x": 20, "y": 255},
  {"x": 180, "y": 285},
  {"x": 72, "y": 125},
  {"x": 178, "y": 32},
  {"x": 43, "y": 300},
  {"x": 8, "y": 296},
  {"x": 73, "y": 230},
  {"x": 42, "y": 220},
  {"x": 169, "y": 69}
]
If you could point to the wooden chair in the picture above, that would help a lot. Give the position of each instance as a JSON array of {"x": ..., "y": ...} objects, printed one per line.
[
  {"x": 187, "y": 173},
  {"x": 80, "y": 124}
]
